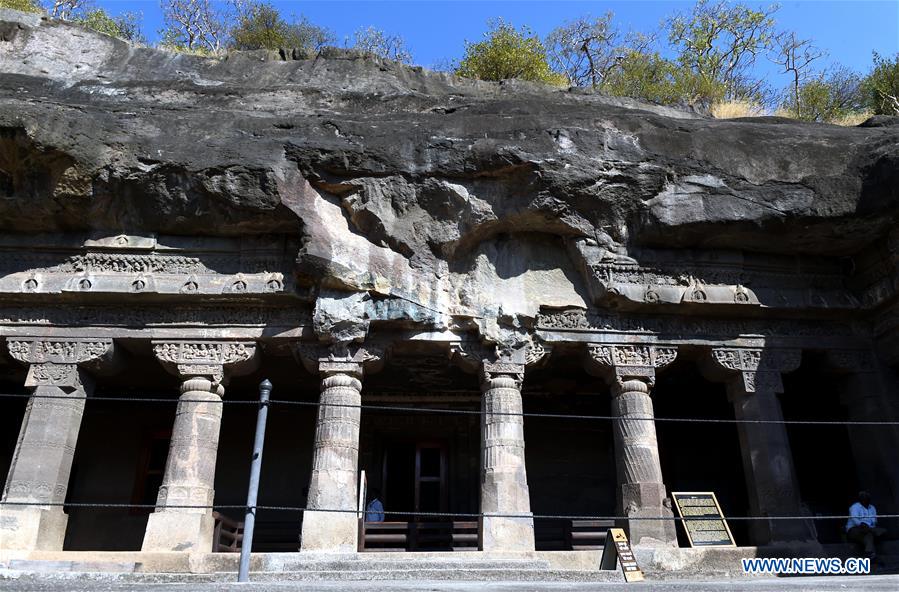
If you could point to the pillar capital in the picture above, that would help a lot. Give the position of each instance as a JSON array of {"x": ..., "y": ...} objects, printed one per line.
[
  {"x": 340, "y": 358},
  {"x": 629, "y": 362},
  {"x": 752, "y": 370},
  {"x": 475, "y": 356},
  {"x": 57, "y": 362},
  {"x": 492, "y": 371},
  {"x": 205, "y": 359}
]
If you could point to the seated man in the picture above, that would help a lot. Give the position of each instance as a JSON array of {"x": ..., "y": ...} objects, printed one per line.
[
  {"x": 374, "y": 511},
  {"x": 861, "y": 528}
]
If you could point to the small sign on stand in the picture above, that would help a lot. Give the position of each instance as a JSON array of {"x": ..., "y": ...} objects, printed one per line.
[
  {"x": 618, "y": 550},
  {"x": 703, "y": 520}
]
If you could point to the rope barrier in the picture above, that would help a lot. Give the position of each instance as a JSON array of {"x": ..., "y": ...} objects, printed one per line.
[
  {"x": 437, "y": 410},
  {"x": 424, "y": 514}
]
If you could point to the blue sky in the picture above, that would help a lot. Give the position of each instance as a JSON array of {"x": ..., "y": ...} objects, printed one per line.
[{"x": 436, "y": 30}]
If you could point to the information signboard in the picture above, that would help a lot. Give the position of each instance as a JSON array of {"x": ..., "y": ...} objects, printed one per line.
[
  {"x": 703, "y": 520},
  {"x": 618, "y": 550}
]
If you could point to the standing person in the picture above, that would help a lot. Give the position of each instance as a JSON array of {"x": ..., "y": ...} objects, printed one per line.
[
  {"x": 861, "y": 528},
  {"x": 374, "y": 511}
]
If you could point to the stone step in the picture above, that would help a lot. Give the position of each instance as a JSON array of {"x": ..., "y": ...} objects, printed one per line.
[
  {"x": 446, "y": 574},
  {"x": 296, "y": 565},
  {"x": 50, "y": 566}
]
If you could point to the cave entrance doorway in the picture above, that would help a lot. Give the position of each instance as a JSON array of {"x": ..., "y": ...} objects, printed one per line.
[{"x": 415, "y": 490}]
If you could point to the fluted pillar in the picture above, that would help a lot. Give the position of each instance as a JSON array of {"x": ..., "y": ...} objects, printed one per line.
[
  {"x": 42, "y": 461},
  {"x": 189, "y": 478},
  {"x": 867, "y": 398},
  {"x": 767, "y": 460},
  {"x": 507, "y": 522},
  {"x": 333, "y": 484},
  {"x": 183, "y": 519},
  {"x": 642, "y": 493}
]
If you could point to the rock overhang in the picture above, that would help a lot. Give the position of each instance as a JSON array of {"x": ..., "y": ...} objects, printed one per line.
[{"x": 455, "y": 196}]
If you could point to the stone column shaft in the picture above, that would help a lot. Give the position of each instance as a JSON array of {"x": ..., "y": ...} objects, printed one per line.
[
  {"x": 753, "y": 378},
  {"x": 873, "y": 447},
  {"x": 40, "y": 469},
  {"x": 768, "y": 463},
  {"x": 189, "y": 478},
  {"x": 335, "y": 463},
  {"x": 642, "y": 490},
  {"x": 642, "y": 493},
  {"x": 42, "y": 462},
  {"x": 504, "y": 484}
]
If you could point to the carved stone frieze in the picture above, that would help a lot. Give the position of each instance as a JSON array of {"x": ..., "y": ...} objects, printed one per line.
[
  {"x": 158, "y": 316},
  {"x": 204, "y": 358},
  {"x": 578, "y": 320},
  {"x": 130, "y": 264},
  {"x": 751, "y": 359},
  {"x": 630, "y": 361},
  {"x": 58, "y": 351},
  {"x": 661, "y": 279},
  {"x": 757, "y": 369},
  {"x": 58, "y": 375},
  {"x": 537, "y": 352}
]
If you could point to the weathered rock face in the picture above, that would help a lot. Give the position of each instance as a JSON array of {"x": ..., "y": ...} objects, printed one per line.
[{"x": 439, "y": 198}]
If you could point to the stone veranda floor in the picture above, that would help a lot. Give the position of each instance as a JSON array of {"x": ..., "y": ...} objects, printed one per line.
[{"x": 807, "y": 584}]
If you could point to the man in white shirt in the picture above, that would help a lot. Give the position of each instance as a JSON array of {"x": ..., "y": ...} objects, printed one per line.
[{"x": 861, "y": 528}]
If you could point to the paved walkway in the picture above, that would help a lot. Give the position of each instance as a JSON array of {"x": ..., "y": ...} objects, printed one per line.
[{"x": 885, "y": 583}]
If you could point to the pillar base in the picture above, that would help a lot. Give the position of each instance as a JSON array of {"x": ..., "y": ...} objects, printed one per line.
[
  {"x": 179, "y": 531},
  {"x": 652, "y": 533},
  {"x": 648, "y": 500},
  {"x": 32, "y": 529},
  {"x": 501, "y": 533},
  {"x": 331, "y": 532}
]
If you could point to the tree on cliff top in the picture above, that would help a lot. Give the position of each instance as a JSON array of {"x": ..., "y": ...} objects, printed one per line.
[
  {"x": 719, "y": 43},
  {"x": 382, "y": 44},
  {"x": 22, "y": 5},
  {"x": 881, "y": 87},
  {"x": 195, "y": 26},
  {"x": 260, "y": 26},
  {"x": 507, "y": 52}
]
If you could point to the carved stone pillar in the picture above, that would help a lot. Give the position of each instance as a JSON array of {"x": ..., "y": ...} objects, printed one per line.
[
  {"x": 753, "y": 384},
  {"x": 334, "y": 482},
  {"x": 507, "y": 524},
  {"x": 642, "y": 491},
  {"x": 42, "y": 462},
  {"x": 873, "y": 447},
  {"x": 189, "y": 478}
]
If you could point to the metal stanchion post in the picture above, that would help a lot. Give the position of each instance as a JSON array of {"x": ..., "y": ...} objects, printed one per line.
[{"x": 246, "y": 547}]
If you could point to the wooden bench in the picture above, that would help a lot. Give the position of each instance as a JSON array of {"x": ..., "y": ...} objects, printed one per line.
[
  {"x": 409, "y": 536},
  {"x": 588, "y": 534},
  {"x": 227, "y": 535}
]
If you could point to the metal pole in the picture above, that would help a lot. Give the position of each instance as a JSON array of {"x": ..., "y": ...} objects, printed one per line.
[{"x": 246, "y": 547}]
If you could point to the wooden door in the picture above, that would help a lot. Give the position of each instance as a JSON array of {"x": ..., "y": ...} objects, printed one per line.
[{"x": 430, "y": 480}]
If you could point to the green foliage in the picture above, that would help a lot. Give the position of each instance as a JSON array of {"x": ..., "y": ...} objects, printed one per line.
[
  {"x": 22, "y": 5},
  {"x": 827, "y": 97},
  {"x": 719, "y": 43},
  {"x": 650, "y": 77},
  {"x": 125, "y": 26},
  {"x": 377, "y": 42},
  {"x": 880, "y": 88},
  {"x": 261, "y": 26},
  {"x": 507, "y": 53}
]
